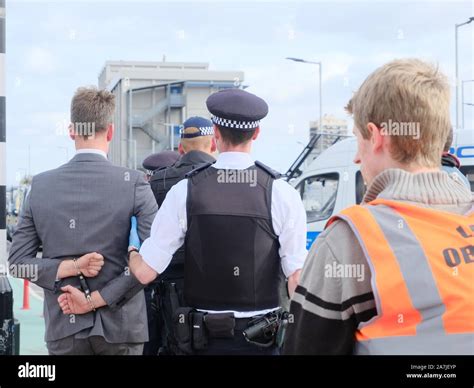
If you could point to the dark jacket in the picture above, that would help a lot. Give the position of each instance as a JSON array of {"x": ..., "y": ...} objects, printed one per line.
[
  {"x": 161, "y": 182},
  {"x": 164, "y": 179}
]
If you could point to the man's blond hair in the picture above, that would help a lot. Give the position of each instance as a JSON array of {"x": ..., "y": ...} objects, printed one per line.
[
  {"x": 406, "y": 91},
  {"x": 198, "y": 143},
  {"x": 92, "y": 108}
]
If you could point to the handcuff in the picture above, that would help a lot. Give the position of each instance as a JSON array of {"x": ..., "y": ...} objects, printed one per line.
[{"x": 84, "y": 286}]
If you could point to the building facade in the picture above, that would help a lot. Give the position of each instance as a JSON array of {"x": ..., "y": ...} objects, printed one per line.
[
  {"x": 153, "y": 99},
  {"x": 333, "y": 129}
]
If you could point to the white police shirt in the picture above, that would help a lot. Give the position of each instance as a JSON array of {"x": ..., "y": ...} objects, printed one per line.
[{"x": 170, "y": 224}]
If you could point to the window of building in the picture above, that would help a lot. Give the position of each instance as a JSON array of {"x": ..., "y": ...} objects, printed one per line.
[
  {"x": 176, "y": 129},
  {"x": 319, "y": 195},
  {"x": 176, "y": 89}
]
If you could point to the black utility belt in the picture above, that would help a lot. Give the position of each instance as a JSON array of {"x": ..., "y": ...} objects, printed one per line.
[{"x": 194, "y": 328}]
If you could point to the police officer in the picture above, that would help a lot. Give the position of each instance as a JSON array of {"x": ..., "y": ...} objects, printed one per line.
[
  {"x": 151, "y": 163},
  {"x": 239, "y": 225},
  {"x": 196, "y": 147},
  {"x": 159, "y": 161}
]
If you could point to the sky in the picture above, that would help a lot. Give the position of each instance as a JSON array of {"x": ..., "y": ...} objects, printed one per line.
[{"x": 53, "y": 47}]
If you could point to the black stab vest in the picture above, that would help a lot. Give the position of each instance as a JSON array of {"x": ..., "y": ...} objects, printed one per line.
[{"x": 231, "y": 250}]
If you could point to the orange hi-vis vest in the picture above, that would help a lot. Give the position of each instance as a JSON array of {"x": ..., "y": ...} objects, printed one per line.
[{"x": 422, "y": 266}]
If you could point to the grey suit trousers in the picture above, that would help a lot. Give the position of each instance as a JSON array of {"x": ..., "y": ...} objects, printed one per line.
[{"x": 95, "y": 345}]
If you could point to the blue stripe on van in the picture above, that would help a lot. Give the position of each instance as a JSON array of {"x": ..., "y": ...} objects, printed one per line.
[{"x": 310, "y": 237}]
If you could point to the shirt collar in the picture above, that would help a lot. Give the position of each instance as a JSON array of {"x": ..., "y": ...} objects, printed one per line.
[
  {"x": 91, "y": 151},
  {"x": 234, "y": 161}
]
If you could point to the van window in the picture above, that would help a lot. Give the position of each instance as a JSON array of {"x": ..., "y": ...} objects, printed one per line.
[
  {"x": 360, "y": 188},
  {"x": 319, "y": 194}
]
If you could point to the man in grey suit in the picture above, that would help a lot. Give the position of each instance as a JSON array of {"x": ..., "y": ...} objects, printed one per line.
[{"x": 80, "y": 213}]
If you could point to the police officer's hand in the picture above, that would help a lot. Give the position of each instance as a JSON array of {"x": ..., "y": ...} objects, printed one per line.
[
  {"x": 134, "y": 240},
  {"x": 90, "y": 264},
  {"x": 293, "y": 281}
]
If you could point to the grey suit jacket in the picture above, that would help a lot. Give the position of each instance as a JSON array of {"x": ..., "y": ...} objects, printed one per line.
[{"x": 85, "y": 206}]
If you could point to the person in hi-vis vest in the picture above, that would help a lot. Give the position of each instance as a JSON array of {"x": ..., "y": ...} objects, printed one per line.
[{"x": 394, "y": 275}]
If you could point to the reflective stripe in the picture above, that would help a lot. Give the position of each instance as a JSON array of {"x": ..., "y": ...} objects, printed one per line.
[
  {"x": 386, "y": 321},
  {"x": 462, "y": 344},
  {"x": 377, "y": 299},
  {"x": 414, "y": 267}
]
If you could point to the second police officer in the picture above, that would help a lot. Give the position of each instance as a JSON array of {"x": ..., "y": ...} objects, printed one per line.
[
  {"x": 195, "y": 148},
  {"x": 240, "y": 226}
]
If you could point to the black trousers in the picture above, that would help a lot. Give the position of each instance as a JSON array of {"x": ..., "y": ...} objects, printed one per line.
[
  {"x": 159, "y": 310},
  {"x": 155, "y": 323},
  {"x": 160, "y": 323}
]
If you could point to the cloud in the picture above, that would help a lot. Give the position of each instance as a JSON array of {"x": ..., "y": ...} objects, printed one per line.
[
  {"x": 351, "y": 41},
  {"x": 40, "y": 60},
  {"x": 336, "y": 64},
  {"x": 45, "y": 124}
]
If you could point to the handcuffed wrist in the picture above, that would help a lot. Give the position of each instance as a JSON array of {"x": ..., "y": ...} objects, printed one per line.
[
  {"x": 91, "y": 302},
  {"x": 76, "y": 267}
]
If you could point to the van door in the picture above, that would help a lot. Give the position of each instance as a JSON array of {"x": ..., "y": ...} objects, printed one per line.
[{"x": 320, "y": 194}]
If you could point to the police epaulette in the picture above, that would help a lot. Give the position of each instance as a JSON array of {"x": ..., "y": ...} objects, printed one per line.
[
  {"x": 198, "y": 169},
  {"x": 274, "y": 173}
]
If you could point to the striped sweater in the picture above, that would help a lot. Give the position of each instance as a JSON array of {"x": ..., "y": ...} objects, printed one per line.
[{"x": 329, "y": 304}]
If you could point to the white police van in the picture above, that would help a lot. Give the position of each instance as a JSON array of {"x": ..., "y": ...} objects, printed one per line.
[{"x": 332, "y": 181}]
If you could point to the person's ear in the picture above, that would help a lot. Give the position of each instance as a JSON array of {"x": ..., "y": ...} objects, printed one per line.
[
  {"x": 217, "y": 134},
  {"x": 181, "y": 149},
  {"x": 377, "y": 138},
  {"x": 72, "y": 133},
  {"x": 257, "y": 132},
  {"x": 110, "y": 132},
  {"x": 213, "y": 145}
]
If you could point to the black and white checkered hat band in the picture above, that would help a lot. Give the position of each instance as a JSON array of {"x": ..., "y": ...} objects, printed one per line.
[
  {"x": 203, "y": 131},
  {"x": 235, "y": 124},
  {"x": 206, "y": 131}
]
